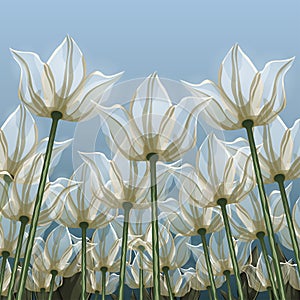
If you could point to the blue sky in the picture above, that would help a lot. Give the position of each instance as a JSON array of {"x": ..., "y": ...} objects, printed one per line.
[{"x": 178, "y": 39}]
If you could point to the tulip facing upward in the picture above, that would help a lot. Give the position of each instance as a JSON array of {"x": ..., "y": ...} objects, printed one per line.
[
  {"x": 58, "y": 89},
  {"x": 245, "y": 98}
]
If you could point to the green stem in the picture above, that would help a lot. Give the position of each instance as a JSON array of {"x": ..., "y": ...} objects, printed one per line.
[
  {"x": 5, "y": 256},
  {"x": 223, "y": 202},
  {"x": 43, "y": 293},
  {"x": 24, "y": 221},
  {"x": 166, "y": 273},
  {"x": 103, "y": 270},
  {"x": 260, "y": 236},
  {"x": 97, "y": 295},
  {"x": 53, "y": 275},
  {"x": 227, "y": 276},
  {"x": 269, "y": 289},
  {"x": 280, "y": 180},
  {"x": 153, "y": 158},
  {"x": 209, "y": 292},
  {"x": 248, "y": 124},
  {"x": 83, "y": 226},
  {"x": 202, "y": 233},
  {"x": 141, "y": 274},
  {"x": 127, "y": 207},
  {"x": 56, "y": 116}
]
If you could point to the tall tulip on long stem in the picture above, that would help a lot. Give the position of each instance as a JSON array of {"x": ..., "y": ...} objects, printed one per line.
[
  {"x": 243, "y": 98},
  {"x": 248, "y": 124},
  {"x": 56, "y": 116},
  {"x": 57, "y": 89},
  {"x": 153, "y": 129}
]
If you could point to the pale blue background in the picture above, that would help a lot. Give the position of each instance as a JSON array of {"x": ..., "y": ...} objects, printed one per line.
[{"x": 179, "y": 39}]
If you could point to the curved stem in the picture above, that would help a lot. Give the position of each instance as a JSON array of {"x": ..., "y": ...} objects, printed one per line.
[
  {"x": 209, "y": 292},
  {"x": 223, "y": 202},
  {"x": 166, "y": 273},
  {"x": 227, "y": 276},
  {"x": 153, "y": 158},
  {"x": 248, "y": 124},
  {"x": 202, "y": 233},
  {"x": 260, "y": 236},
  {"x": 83, "y": 226},
  {"x": 43, "y": 293},
  {"x": 5, "y": 256},
  {"x": 103, "y": 271},
  {"x": 269, "y": 289},
  {"x": 24, "y": 221},
  {"x": 53, "y": 273},
  {"x": 280, "y": 180},
  {"x": 56, "y": 116},
  {"x": 127, "y": 207},
  {"x": 97, "y": 295}
]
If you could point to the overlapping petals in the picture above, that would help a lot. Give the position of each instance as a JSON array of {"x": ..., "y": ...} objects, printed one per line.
[
  {"x": 61, "y": 84},
  {"x": 153, "y": 124},
  {"x": 242, "y": 92}
]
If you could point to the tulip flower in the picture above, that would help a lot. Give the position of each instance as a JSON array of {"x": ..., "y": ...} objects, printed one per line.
[
  {"x": 42, "y": 282},
  {"x": 119, "y": 184},
  {"x": 189, "y": 219},
  {"x": 222, "y": 176},
  {"x": 57, "y": 89},
  {"x": 173, "y": 253},
  {"x": 248, "y": 222},
  {"x": 83, "y": 210},
  {"x": 243, "y": 98},
  {"x": 104, "y": 257},
  {"x": 176, "y": 284},
  {"x": 279, "y": 157},
  {"x": 258, "y": 276},
  {"x": 9, "y": 230},
  {"x": 55, "y": 254},
  {"x": 153, "y": 129},
  {"x": 200, "y": 280},
  {"x": 20, "y": 207},
  {"x": 283, "y": 234},
  {"x": 97, "y": 285},
  {"x": 137, "y": 274}
]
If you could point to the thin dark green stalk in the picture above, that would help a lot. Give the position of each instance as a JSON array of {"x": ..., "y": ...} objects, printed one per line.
[
  {"x": 209, "y": 292},
  {"x": 53, "y": 275},
  {"x": 24, "y": 221},
  {"x": 97, "y": 295},
  {"x": 83, "y": 226},
  {"x": 260, "y": 236},
  {"x": 223, "y": 202},
  {"x": 103, "y": 270},
  {"x": 141, "y": 274},
  {"x": 5, "y": 256},
  {"x": 56, "y": 116},
  {"x": 153, "y": 158},
  {"x": 280, "y": 180},
  {"x": 127, "y": 207},
  {"x": 166, "y": 273},
  {"x": 269, "y": 289},
  {"x": 227, "y": 276},
  {"x": 202, "y": 233},
  {"x": 43, "y": 293},
  {"x": 248, "y": 124}
]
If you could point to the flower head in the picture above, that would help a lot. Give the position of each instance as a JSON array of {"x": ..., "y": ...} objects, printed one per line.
[
  {"x": 243, "y": 92},
  {"x": 60, "y": 84},
  {"x": 153, "y": 124}
]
